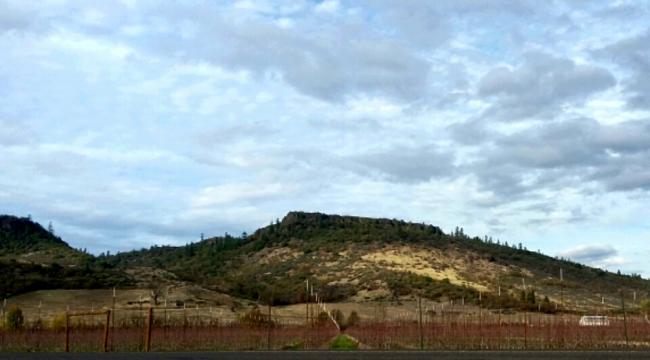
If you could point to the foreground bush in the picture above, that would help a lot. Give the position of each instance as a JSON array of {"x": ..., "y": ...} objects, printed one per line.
[{"x": 15, "y": 319}]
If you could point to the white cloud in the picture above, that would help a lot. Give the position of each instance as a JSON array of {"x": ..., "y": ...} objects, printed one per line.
[
  {"x": 236, "y": 193},
  {"x": 215, "y": 117},
  {"x": 599, "y": 255},
  {"x": 327, "y": 6}
]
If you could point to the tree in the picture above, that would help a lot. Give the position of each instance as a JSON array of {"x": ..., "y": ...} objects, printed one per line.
[
  {"x": 50, "y": 228},
  {"x": 15, "y": 319},
  {"x": 157, "y": 290},
  {"x": 531, "y": 298}
]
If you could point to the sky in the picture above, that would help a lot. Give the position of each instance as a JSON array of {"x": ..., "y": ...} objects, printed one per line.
[{"x": 133, "y": 123}]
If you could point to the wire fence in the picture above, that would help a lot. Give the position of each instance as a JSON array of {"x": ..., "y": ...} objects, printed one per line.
[
  {"x": 169, "y": 329},
  {"x": 490, "y": 331},
  {"x": 212, "y": 329}
]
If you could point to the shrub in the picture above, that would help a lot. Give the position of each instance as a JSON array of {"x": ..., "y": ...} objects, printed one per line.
[
  {"x": 338, "y": 316},
  {"x": 58, "y": 322},
  {"x": 645, "y": 306},
  {"x": 353, "y": 319},
  {"x": 256, "y": 318},
  {"x": 343, "y": 342},
  {"x": 15, "y": 319},
  {"x": 322, "y": 318}
]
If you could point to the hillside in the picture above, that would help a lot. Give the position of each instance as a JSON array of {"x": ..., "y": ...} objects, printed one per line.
[
  {"x": 368, "y": 259},
  {"x": 345, "y": 257},
  {"x": 28, "y": 242},
  {"x": 32, "y": 258}
]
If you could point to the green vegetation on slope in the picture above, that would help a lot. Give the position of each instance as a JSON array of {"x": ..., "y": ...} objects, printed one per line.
[
  {"x": 32, "y": 258},
  {"x": 20, "y": 236},
  {"x": 17, "y": 278},
  {"x": 272, "y": 264},
  {"x": 234, "y": 266}
]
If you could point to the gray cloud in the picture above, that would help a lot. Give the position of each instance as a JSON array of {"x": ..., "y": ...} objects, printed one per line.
[
  {"x": 562, "y": 144},
  {"x": 571, "y": 153},
  {"x": 12, "y": 19},
  {"x": 591, "y": 253},
  {"x": 634, "y": 55},
  {"x": 473, "y": 132},
  {"x": 14, "y": 132},
  {"x": 540, "y": 86},
  {"x": 409, "y": 164},
  {"x": 623, "y": 11},
  {"x": 229, "y": 115},
  {"x": 318, "y": 59}
]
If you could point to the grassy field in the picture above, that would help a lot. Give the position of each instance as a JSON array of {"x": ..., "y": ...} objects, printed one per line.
[{"x": 186, "y": 301}]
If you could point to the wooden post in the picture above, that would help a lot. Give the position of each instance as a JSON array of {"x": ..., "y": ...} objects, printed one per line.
[
  {"x": 268, "y": 334},
  {"x": 113, "y": 321},
  {"x": 108, "y": 324},
  {"x": 525, "y": 330},
  {"x": 149, "y": 326},
  {"x": 480, "y": 317},
  {"x": 624, "y": 320},
  {"x": 420, "y": 323},
  {"x": 67, "y": 332},
  {"x": 307, "y": 303}
]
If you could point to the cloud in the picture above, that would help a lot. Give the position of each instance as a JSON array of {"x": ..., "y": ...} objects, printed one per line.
[
  {"x": 634, "y": 55},
  {"x": 15, "y": 132},
  {"x": 327, "y": 6},
  {"x": 408, "y": 164},
  {"x": 596, "y": 255},
  {"x": 318, "y": 59},
  {"x": 235, "y": 193},
  {"x": 540, "y": 87},
  {"x": 559, "y": 154},
  {"x": 133, "y": 123},
  {"x": 12, "y": 19}
]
